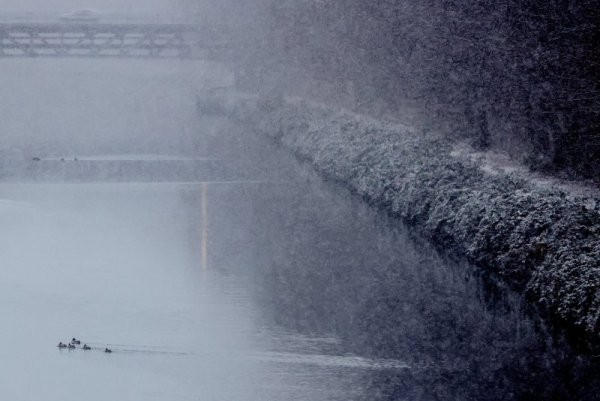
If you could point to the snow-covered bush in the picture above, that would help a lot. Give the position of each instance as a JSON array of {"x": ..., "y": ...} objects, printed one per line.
[{"x": 543, "y": 243}]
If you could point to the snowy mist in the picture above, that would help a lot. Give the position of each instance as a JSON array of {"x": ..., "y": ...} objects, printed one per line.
[{"x": 194, "y": 205}]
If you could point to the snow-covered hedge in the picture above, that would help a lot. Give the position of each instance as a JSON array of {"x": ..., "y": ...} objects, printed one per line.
[{"x": 540, "y": 240}]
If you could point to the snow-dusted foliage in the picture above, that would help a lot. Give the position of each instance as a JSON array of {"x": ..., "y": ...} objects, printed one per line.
[{"x": 541, "y": 241}]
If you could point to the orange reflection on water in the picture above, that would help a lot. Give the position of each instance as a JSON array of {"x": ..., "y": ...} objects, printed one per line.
[{"x": 204, "y": 225}]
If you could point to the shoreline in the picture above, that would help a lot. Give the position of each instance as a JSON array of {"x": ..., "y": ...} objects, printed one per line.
[{"x": 542, "y": 241}]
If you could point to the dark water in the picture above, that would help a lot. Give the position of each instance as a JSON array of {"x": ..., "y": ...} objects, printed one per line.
[
  {"x": 265, "y": 284},
  {"x": 325, "y": 264}
]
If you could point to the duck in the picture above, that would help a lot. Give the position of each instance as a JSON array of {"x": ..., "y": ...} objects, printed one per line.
[
  {"x": 71, "y": 346},
  {"x": 75, "y": 341},
  {"x": 108, "y": 351},
  {"x": 61, "y": 345},
  {"x": 86, "y": 347}
]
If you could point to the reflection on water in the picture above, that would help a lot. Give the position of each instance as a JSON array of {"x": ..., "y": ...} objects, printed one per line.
[
  {"x": 343, "y": 269},
  {"x": 204, "y": 225},
  {"x": 278, "y": 288},
  {"x": 328, "y": 265},
  {"x": 116, "y": 265}
]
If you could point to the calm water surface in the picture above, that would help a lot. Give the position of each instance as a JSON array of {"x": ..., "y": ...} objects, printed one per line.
[
  {"x": 251, "y": 280},
  {"x": 249, "y": 291},
  {"x": 130, "y": 267}
]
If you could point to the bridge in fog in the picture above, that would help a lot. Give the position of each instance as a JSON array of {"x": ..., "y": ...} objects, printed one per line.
[{"x": 29, "y": 36}]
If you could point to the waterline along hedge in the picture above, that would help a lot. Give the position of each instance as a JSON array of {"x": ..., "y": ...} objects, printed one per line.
[{"x": 543, "y": 242}]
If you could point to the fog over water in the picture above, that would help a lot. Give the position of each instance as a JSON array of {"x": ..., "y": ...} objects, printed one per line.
[
  {"x": 92, "y": 106},
  {"x": 153, "y": 6},
  {"x": 121, "y": 266},
  {"x": 157, "y": 271},
  {"x": 215, "y": 266}
]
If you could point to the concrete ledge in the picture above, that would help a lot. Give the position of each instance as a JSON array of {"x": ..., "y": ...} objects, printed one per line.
[{"x": 543, "y": 242}]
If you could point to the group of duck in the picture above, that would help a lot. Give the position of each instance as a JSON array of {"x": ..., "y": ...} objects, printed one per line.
[{"x": 75, "y": 342}]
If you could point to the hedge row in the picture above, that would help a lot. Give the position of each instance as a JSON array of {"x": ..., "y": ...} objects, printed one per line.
[{"x": 542, "y": 241}]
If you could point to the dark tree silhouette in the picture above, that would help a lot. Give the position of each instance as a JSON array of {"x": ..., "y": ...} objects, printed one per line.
[{"x": 513, "y": 74}]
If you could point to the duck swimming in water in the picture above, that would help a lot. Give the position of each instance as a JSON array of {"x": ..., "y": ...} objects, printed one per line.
[
  {"x": 71, "y": 346},
  {"x": 86, "y": 347},
  {"x": 61, "y": 345},
  {"x": 75, "y": 341},
  {"x": 107, "y": 351}
]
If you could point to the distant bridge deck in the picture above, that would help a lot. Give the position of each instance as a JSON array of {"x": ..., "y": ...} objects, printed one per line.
[{"x": 106, "y": 39}]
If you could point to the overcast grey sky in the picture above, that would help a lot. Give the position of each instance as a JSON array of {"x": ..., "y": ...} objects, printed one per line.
[
  {"x": 234, "y": 12},
  {"x": 135, "y": 6}
]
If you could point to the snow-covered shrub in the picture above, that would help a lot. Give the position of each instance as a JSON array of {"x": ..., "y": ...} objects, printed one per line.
[{"x": 538, "y": 240}]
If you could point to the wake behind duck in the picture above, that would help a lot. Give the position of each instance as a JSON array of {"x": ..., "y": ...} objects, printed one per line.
[{"x": 75, "y": 342}]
